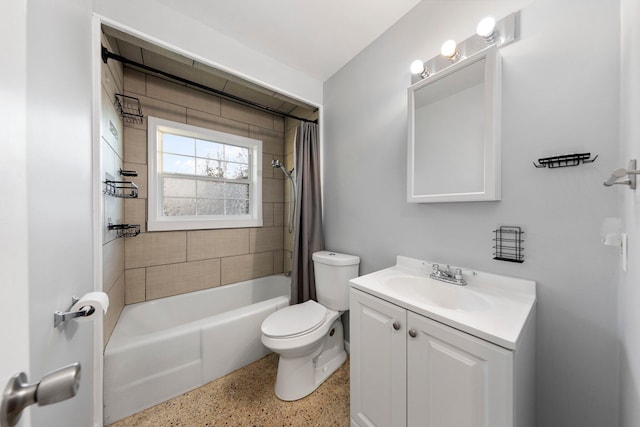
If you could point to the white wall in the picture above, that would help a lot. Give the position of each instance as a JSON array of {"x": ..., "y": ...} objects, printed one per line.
[
  {"x": 560, "y": 94},
  {"x": 630, "y": 284},
  {"x": 188, "y": 36}
]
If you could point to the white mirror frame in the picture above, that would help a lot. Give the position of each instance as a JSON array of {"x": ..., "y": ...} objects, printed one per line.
[{"x": 492, "y": 132}]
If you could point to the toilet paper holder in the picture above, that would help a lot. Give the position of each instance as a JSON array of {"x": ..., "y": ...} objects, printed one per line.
[{"x": 60, "y": 316}]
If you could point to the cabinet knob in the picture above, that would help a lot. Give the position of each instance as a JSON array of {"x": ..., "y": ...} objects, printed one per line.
[
  {"x": 413, "y": 333},
  {"x": 396, "y": 325}
]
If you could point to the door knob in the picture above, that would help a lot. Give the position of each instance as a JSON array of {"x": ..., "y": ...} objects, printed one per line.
[
  {"x": 396, "y": 325},
  {"x": 56, "y": 386},
  {"x": 413, "y": 333}
]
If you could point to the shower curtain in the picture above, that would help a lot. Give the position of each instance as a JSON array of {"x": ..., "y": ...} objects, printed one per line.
[{"x": 307, "y": 237}]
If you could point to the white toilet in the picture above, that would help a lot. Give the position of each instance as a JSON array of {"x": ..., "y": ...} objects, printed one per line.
[{"x": 308, "y": 336}]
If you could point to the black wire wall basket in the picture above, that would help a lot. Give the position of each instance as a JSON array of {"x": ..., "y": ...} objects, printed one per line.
[
  {"x": 125, "y": 230},
  {"x": 508, "y": 244},
  {"x": 121, "y": 189},
  {"x": 129, "y": 108},
  {"x": 565, "y": 160}
]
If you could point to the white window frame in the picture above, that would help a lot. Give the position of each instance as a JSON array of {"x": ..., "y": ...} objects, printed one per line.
[{"x": 158, "y": 222}]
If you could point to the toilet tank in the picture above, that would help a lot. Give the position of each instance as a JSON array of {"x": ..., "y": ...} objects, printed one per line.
[{"x": 332, "y": 273}]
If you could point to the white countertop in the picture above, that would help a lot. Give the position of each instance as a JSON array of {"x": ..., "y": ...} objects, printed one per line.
[{"x": 491, "y": 307}]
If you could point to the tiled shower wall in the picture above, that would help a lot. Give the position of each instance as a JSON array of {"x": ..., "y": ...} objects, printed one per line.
[
  {"x": 161, "y": 264},
  {"x": 113, "y": 208}
]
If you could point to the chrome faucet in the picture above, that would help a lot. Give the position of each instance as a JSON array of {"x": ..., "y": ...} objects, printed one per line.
[{"x": 447, "y": 276}]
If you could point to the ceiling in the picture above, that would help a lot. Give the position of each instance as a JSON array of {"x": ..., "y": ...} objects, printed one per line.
[{"x": 316, "y": 37}]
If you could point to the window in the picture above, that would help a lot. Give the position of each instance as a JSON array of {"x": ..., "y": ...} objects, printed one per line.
[{"x": 200, "y": 178}]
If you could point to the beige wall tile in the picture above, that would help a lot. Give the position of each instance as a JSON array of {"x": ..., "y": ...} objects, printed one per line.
[
  {"x": 289, "y": 161},
  {"x": 267, "y": 214},
  {"x": 242, "y": 113},
  {"x": 135, "y": 283},
  {"x": 272, "y": 191},
  {"x": 221, "y": 124},
  {"x": 161, "y": 109},
  {"x": 135, "y": 145},
  {"x": 135, "y": 212},
  {"x": 267, "y": 169},
  {"x": 116, "y": 304},
  {"x": 202, "y": 101},
  {"x": 140, "y": 180},
  {"x": 278, "y": 262},
  {"x": 278, "y": 124},
  {"x": 245, "y": 267},
  {"x": 164, "y": 90},
  {"x": 112, "y": 263},
  {"x": 272, "y": 141},
  {"x": 206, "y": 244},
  {"x": 159, "y": 248},
  {"x": 280, "y": 215},
  {"x": 174, "y": 279},
  {"x": 134, "y": 82},
  {"x": 265, "y": 239}
]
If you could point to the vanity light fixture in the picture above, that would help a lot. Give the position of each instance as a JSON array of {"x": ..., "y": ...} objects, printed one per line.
[
  {"x": 487, "y": 29},
  {"x": 489, "y": 32},
  {"x": 449, "y": 49},
  {"x": 417, "y": 67}
]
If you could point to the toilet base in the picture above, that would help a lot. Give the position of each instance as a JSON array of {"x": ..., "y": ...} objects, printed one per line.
[{"x": 298, "y": 377}]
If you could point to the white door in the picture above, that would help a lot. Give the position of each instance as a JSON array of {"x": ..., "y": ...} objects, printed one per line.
[
  {"x": 455, "y": 379},
  {"x": 378, "y": 361},
  {"x": 14, "y": 329},
  {"x": 46, "y": 247}
]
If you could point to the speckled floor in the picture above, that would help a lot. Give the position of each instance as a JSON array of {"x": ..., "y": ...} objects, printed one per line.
[{"x": 246, "y": 398}]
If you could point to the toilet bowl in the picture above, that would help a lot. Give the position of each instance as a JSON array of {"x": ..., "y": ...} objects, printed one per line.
[{"x": 309, "y": 336}]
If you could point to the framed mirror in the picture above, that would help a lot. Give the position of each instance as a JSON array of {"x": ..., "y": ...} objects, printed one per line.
[{"x": 454, "y": 132}]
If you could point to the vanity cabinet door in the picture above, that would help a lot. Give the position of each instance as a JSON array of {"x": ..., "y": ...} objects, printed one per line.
[
  {"x": 378, "y": 362},
  {"x": 455, "y": 379}
]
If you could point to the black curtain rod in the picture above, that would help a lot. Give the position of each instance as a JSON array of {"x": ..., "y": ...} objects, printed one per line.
[{"x": 106, "y": 55}]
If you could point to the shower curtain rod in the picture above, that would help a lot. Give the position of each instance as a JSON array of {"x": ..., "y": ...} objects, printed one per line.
[{"x": 106, "y": 55}]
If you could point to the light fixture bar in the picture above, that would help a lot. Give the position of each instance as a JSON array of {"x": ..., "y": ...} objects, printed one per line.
[{"x": 506, "y": 32}]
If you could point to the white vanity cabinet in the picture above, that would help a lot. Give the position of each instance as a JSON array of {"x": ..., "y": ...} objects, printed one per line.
[{"x": 409, "y": 370}]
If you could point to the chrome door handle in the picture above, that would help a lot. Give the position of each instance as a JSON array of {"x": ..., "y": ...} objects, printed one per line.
[{"x": 56, "y": 386}]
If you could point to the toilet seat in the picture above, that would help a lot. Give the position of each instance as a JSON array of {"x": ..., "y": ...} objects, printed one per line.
[{"x": 295, "y": 320}]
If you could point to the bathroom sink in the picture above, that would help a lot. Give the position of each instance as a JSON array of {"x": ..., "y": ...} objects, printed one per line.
[
  {"x": 492, "y": 307},
  {"x": 440, "y": 294}
]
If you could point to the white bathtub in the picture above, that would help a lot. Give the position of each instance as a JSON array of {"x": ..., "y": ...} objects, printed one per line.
[{"x": 162, "y": 348}]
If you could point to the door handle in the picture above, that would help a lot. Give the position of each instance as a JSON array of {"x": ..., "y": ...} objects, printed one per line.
[{"x": 56, "y": 386}]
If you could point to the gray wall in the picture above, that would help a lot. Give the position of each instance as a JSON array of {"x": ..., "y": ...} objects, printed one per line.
[{"x": 560, "y": 94}]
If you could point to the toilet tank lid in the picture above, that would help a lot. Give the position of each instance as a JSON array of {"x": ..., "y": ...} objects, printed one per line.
[{"x": 334, "y": 258}]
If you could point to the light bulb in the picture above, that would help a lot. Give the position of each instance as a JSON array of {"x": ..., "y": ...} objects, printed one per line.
[
  {"x": 417, "y": 67},
  {"x": 486, "y": 28},
  {"x": 450, "y": 50}
]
